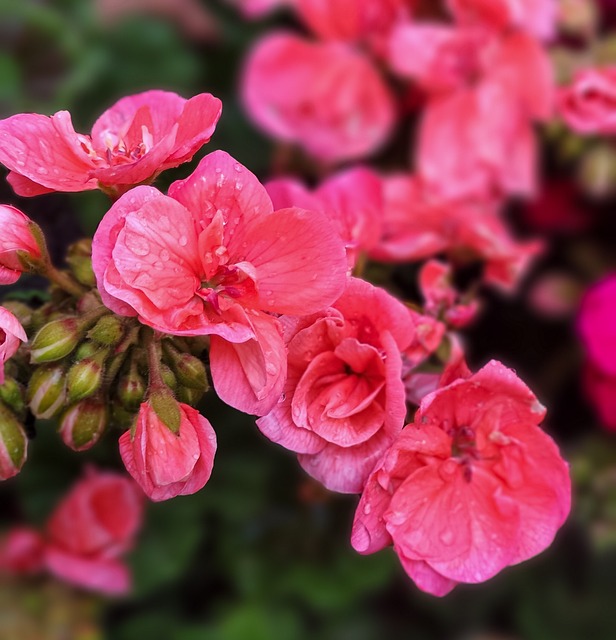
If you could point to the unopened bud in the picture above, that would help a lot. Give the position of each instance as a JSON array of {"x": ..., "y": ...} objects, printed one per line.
[
  {"x": 189, "y": 370},
  {"x": 12, "y": 394},
  {"x": 166, "y": 408},
  {"x": 86, "y": 350},
  {"x": 55, "y": 340},
  {"x": 120, "y": 417},
  {"x": 83, "y": 424},
  {"x": 13, "y": 444},
  {"x": 46, "y": 392},
  {"x": 597, "y": 172},
  {"x": 168, "y": 377},
  {"x": 189, "y": 396},
  {"x": 108, "y": 331},
  {"x": 79, "y": 258},
  {"x": 131, "y": 388},
  {"x": 85, "y": 377}
]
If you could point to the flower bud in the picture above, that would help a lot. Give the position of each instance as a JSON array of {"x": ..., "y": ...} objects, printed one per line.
[
  {"x": 85, "y": 377},
  {"x": 46, "y": 392},
  {"x": 55, "y": 340},
  {"x": 83, "y": 424},
  {"x": 166, "y": 407},
  {"x": 189, "y": 371},
  {"x": 168, "y": 377},
  {"x": 19, "y": 245},
  {"x": 79, "y": 259},
  {"x": 108, "y": 331},
  {"x": 131, "y": 388},
  {"x": 189, "y": 396},
  {"x": 13, "y": 444},
  {"x": 12, "y": 394},
  {"x": 12, "y": 335},
  {"x": 86, "y": 350}
]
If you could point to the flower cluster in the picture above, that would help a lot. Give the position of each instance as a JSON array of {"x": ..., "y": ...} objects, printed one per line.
[{"x": 259, "y": 289}]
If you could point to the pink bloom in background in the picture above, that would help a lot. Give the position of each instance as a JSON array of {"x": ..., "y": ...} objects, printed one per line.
[
  {"x": 214, "y": 258},
  {"x": 326, "y": 97},
  {"x": 473, "y": 486},
  {"x": 15, "y": 236},
  {"x": 21, "y": 551},
  {"x": 588, "y": 105},
  {"x": 600, "y": 389},
  {"x": 537, "y": 17},
  {"x": 167, "y": 464},
  {"x": 419, "y": 223},
  {"x": 95, "y": 524},
  {"x": 131, "y": 142},
  {"x": 476, "y": 136},
  {"x": 596, "y": 325},
  {"x": 343, "y": 401},
  {"x": 12, "y": 334},
  {"x": 558, "y": 209},
  {"x": 258, "y": 8},
  {"x": 351, "y": 199}
]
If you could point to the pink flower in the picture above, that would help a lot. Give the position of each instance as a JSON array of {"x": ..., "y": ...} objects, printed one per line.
[
  {"x": 351, "y": 20},
  {"x": 473, "y": 486},
  {"x": 596, "y": 325},
  {"x": 131, "y": 143},
  {"x": 537, "y": 17},
  {"x": 600, "y": 389},
  {"x": 214, "y": 258},
  {"x": 419, "y": 223},
  {"x": 343, "y": 401},
  {"x": 167, "y": 464},
  {"x": 326, "y": 97},
  {"x": 12, "y": 334},
  {"x": 15, "y": 236},
  {"x": 588, "y": 106},
  {"x": 351, "y": 199},
  {"x": 477, "y": 139},
  {"x": 21, "y": 551},
  {"x": 91, "y": 528}
]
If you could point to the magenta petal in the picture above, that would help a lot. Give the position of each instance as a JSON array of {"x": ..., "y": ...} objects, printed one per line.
[
  {"x": 299, "y": 259},
  {"x": 250, "y": 376},
  {"x": 25, "y": 187},
  {"x": 426, "y": 578}
]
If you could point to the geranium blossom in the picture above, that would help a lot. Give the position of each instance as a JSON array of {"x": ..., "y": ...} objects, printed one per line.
[
  {"x": 326, "y": 97},
  {"x": 214, "y": 258},
  {"x": 15, "y": 236},
  {"x": 343, "y": 401},
  {"x": 167, "y": 464},
  {"x": 95, "y": 524},
  {"x": 474, "y": 485},
  {"x": 132, "y": 142},
  {"x": 588, "y": 105}
]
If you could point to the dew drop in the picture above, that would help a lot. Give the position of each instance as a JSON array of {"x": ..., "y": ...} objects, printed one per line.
[
  {"x": 42, "y": 171},
  {"x": 446, "y": 537},
  {"x": 138, "y": 245},
  {"x": 367, "y": 508},
  {"x": 271, "y": 368},
  {"x": 164, "y": 254},
  {"x": 183, "y": 241}
]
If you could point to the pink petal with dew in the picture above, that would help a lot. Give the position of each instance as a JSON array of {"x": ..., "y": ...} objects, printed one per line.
[
  {"x": 299, "y": 259},
  {"x": 425, "y": 577},
  {"x": 25, "y": 187},
  {"x": 250, "y": 376},
  {"x": 220, "y": 183},
  {"x": 46, "y": 151}
]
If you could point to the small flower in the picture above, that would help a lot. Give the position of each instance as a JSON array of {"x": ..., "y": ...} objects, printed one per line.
[
  {"x": 91, "y": 528},
  {"x": 472, "y": 486},
  {"x": 132, "y": 142},
  {"x": 16, "y": 238},
  {"x": 166, "y": 462}
]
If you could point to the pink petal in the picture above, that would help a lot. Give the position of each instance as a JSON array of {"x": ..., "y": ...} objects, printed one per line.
[
  {"x": 25, "y": 187},
  {"x": 426, "y": 578}
]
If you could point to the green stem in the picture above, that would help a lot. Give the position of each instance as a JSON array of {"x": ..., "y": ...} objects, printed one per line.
[
  {"x": 63, "y": 280},
  {"x": 153, "y": 350}
]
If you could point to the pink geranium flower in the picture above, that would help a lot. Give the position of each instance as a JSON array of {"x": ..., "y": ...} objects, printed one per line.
[
  {"x": 588, "y": 105},
  {"x": 326, "y": 97},
  {"x": 21, "y": 551},
  {"x": 351, "y": 199},
  {"x": 419, "y": 223},
  {"x": 12, "y": 334},
  {"x": 343, "y": 401},
  {"x": 214, "y": 258},
  {"x": 473, "y": 486},
  {"x": 15, "y": 237},
  {"x": 537, "y": 17},
  {"x": 93, "y": 526},
  {"x": 131, "y": 142},
  {"x": 167, "y": 464}
]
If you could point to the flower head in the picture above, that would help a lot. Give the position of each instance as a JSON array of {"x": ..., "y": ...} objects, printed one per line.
[{"x": 16, "y": 237}]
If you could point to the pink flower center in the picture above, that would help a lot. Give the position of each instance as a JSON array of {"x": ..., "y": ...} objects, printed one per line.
[{"x": 464, "y": 448}]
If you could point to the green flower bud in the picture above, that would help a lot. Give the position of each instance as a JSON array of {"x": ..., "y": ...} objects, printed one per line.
[
  {"x": 131, "y": 388},
  {"x": 79, "y": 259},
  {"x": 166, "y": 408},
  {"x": 85, "y": 377},
  {"x": 12, "y": 394},
  {"x": 189, "y": 396},
  {"x": 83, "y": 424},
  {"x": 86, "y": 350},
  {"x": 108, "y": 331},
  {"x": 190, "y": 371},
  {"x": 55, "y": 340},
  {"x": 13, "y": 444},
  {"x": 46, "y": 392},
  {"x": 168, "y": 377}
]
